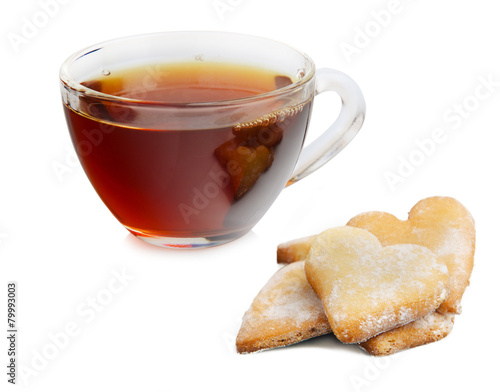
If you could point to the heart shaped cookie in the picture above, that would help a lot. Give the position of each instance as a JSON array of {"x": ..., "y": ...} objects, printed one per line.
[
  {"x": 285, "y": 311},
  {"x": 367, "y": 289},
  {"x": 441, "y": 224}
]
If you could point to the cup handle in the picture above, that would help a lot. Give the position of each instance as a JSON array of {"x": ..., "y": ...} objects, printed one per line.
[{"x": 341, "y": 132}]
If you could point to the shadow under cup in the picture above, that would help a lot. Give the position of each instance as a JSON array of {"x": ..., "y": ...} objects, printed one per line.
[{"x": 187, "y": 173}]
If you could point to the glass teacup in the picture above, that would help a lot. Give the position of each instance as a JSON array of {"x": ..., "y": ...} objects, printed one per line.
[{"x": 189, "y": 137}]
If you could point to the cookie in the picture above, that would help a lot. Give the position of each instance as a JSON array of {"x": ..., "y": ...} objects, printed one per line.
[
  {"x": 441, "y": 224},
  {"x": 286, "y": 311},
  {"x": 428, "y": 329},
  {"x": 294, "y": 250},
  {"x": 367, "y": 289}
]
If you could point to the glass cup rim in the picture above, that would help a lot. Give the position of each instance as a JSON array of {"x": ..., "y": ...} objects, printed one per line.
[{"x": 70, "y": 82}]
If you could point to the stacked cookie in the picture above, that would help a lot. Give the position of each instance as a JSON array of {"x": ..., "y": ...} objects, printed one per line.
[{"x": 384, "y": 284}]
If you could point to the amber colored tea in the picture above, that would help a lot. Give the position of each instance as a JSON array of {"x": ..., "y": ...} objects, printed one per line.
[{"x": 202, "y": 182}]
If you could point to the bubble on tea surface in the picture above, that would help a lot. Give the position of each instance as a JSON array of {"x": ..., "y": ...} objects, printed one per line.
[
  {"x": 106, "y": 72},
  {"x": 199, "y": 57},
  {"x": 301, "y": 73}
]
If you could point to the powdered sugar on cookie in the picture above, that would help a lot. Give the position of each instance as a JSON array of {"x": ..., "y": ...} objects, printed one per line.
[{"x": 296, "y": 301}]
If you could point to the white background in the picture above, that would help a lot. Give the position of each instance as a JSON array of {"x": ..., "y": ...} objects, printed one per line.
[{"x": 171, "y": 326}]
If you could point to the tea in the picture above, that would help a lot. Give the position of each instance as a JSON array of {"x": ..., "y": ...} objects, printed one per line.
[{"x": 168, "y": 181}]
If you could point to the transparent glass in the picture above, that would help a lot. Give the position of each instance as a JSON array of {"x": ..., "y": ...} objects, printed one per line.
[{"x": 191, "y": 173}]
